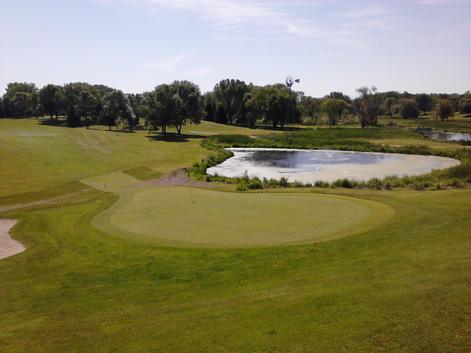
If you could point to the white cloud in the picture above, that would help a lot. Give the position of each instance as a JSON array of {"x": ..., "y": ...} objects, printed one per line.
[{"x": 271, "y": 16}]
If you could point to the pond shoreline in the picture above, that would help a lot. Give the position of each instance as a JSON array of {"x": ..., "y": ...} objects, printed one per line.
[{"x": 311, "y": 165}]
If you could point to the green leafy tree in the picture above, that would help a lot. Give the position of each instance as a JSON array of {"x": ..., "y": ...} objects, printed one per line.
[
  {"x": 389, "y": 106},
  {"x": 81, "y": 100},
  {"x": 20, "y": 99},
  {"x": 409, "y": 109},
  {"x": 272, "y": 102},
  {"x": 162, "y": 104},
  {"x": 465, "y": 107},
  {"x": 424, "y": 102},
  {"x": 51, "y": 98},
  {"x": 444, "y": 109},
  {"x": 221, "y": 116},
  {"x": 232, "y": 95},
  {"x": 367, "y": 106},
  {"x": 339, "y": 95},
  {"x": 309, "y": 108},
  {"x": 334, "y": 108},
  {"x": 190, "y": 103},
  {"x": 117, "y": 110},
  {"x": 210, "y": 106}
]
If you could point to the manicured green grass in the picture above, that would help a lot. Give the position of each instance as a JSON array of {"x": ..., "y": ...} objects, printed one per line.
[
  {"x": 143, "y": 173},
  {"x": 458, "y": 123},
  {"x": 182, "y": 216},
  {"x": 401, "y": 287},
  {"x": 35, "y": 157}
]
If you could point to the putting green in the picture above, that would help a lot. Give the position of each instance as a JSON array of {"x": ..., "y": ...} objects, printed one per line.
[{"x": 181, "y": 216}]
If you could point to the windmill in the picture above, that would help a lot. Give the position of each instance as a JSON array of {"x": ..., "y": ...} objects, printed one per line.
[{"x": 289, "y": 82}]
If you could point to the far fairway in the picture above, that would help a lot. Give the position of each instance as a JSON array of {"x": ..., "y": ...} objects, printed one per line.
[{"x": 195, "y": 217}]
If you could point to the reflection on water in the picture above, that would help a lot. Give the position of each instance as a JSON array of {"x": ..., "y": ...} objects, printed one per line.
[
  {"x": 308, "y": 160},
  {"x": 450, "y": 136},
  {"x": 307, "y": 166}
]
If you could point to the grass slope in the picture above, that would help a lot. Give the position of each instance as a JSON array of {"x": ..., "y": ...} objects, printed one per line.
[
  {"x": 399, "y": 287},
  {"x": 402, "y": 287},
  {"x": 35, "y": 157}
]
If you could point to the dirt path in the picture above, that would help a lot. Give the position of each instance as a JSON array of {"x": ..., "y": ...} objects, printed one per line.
[
  {"x": 178, "y": 178},
  {"x": 8, "y": 246}
]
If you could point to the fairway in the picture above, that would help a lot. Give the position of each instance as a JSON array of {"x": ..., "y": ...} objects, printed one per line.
[{"x": 195, "y": 217}]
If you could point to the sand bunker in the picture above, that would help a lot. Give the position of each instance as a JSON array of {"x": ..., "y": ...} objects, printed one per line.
[{"x": 8, "y": 246}]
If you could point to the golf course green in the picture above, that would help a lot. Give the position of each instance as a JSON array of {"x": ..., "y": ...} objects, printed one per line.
[
  {"x": 116, "y": 262},
  {"x": 184, "y": 216}
]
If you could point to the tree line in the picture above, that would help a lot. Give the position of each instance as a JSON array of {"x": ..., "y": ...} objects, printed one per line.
[{"x": 230, "y": 102}]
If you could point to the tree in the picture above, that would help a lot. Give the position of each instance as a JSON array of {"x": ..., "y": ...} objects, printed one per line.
[
  {"x": 117, "y": 109},
  {"x": 272, "y": 102},
  {"x": 73, "y": 119},
  {"x": 389, "y": 105},
  {"x": 86, "y": 107},
  {"x": 367, "y": 106},
  {"x": 221, "y": 116},
  {"x": 20, "y": 99},
  {"x": 309, "y": 107},
  {"x": 334, "y": 109},
  {"x": 51, "y": 99},
  {"x": 409, "y": 108},
  {"x": 82, "y": 101},
  {"x": 465, "y": 107},
  {"x": 339, "y": 95},
  {"x": 209, "y": 107},
  {"x": 136, "y": 103},
  {"x": 232, "y": 95},
  {"x": 424, "y": 102},
  {"x": 161, "y": 106},
  {"x": 190, "y": 103},
  {"x": 444, "y": 109}
]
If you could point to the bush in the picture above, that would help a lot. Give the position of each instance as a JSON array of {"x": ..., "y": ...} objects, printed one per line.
[
  {"x": 284, "y": 182},
  {"x": 242, "y": 186},
  {"x": 254, "y": 184},
  {"x": 419, "y": 185},
  {"x": 374, "y": 183},
  {"x": 343, "y": 183}
]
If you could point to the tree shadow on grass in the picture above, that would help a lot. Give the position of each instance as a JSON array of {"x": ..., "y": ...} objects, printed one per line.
[
  {"x": 53, "y": 122},
  {"x": 285, "y": 129},
  {"x": 174, "y": 137}
]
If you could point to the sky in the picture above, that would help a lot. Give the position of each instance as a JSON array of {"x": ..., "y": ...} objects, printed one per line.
[{"x": 134, "y": 45}]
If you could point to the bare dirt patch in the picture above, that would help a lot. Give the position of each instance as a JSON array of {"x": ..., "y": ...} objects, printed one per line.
[
  {"x": 178, "y": 177},
  {"x": 8, "y": 246}
]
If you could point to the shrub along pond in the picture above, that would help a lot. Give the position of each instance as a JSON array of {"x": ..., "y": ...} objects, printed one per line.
[{"x": 310, "y": 166}]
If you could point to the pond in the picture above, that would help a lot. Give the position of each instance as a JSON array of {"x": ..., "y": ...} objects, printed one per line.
[
  {"x": 450, "y": 136},
  {"x": 308, "y": 166}
]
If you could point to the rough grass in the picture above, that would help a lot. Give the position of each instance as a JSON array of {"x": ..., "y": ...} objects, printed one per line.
[
  {"x": 400, "y": 287},
  {"x": 403, "y": 287},
  {"x": 35, "y": 157}
]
